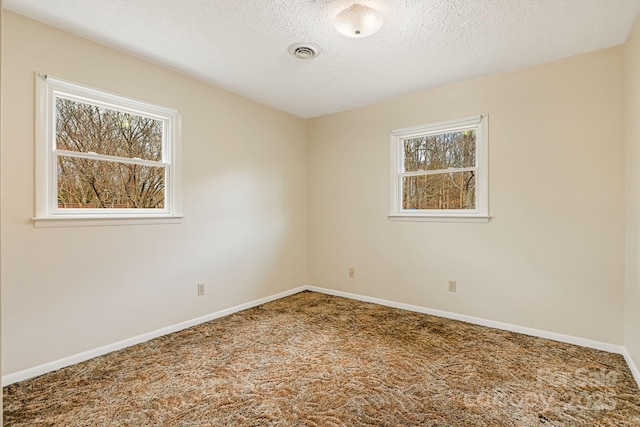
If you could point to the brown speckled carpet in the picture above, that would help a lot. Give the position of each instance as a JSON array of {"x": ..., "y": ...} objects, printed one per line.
[{"x": 318, "y": 360}]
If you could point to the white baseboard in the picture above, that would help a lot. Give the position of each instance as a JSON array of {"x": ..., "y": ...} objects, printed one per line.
[
  {"x": 612, "y": 348},
  {"x": 632, "y": 366},
  {"x": 90, "y": 354},
  {"x": 81, "y": 357}
]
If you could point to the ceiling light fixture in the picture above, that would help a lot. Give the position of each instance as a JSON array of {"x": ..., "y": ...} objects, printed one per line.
[{"x": 358, "y": 21}]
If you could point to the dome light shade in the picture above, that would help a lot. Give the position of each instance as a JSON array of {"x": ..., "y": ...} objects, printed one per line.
[{"x": 358, "y": 21}]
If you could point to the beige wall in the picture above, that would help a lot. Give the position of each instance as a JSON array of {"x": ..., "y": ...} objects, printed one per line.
[
  {"x": 632, "y": 109},
  {"x": 68, "y": 290},
  {"x": 551, "y": 258}
]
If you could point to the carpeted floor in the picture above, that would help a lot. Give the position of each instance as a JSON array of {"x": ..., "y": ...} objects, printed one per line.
[{"x": 318, "y": 360}]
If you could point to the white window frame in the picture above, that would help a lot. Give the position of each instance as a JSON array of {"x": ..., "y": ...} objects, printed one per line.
[
  {"x": 478, "y": 123},
  {"x": 48, "y": 214}
]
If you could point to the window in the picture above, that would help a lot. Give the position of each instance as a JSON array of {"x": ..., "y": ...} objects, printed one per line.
[
  {"x": 103, "y": 158},
  {"x": 439, "y": 171}
]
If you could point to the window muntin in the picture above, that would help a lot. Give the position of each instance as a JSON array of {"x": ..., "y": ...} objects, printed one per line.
[
  {"x": 439, "y": 170},
  {"x": 104, "y": 156}
]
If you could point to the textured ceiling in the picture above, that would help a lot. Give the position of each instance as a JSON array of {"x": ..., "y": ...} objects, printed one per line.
[{"x": 241, "y": 45}]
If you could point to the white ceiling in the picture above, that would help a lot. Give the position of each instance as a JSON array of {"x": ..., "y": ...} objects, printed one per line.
[{"x": 241, "y": 45}]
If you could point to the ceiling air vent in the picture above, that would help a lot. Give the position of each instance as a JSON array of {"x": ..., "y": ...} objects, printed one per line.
[{"x": 304, "y": 50}]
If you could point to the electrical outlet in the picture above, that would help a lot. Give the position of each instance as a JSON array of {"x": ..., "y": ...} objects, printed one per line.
[
  {"x": 200, "y": 289},
  {"x": 352, "y": 272},
  {"x": 452, "y": 285}
]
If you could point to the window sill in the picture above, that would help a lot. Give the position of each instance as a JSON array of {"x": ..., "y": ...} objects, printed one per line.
[
  {"x": 439, "y": 218},
  {"x": 50, "y": 222}
]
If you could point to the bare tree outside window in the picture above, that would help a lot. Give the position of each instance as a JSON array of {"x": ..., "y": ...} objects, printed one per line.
[
  {"x": 436, "y": 180},
  {"x": 108, "y": 158}
]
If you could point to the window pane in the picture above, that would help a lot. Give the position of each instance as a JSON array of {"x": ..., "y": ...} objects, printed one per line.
[
  {"x": 88, "y": 183},
  {"x": 439, "y": 191},
  {"x": 84, "y": 127},
  {"x": 443, "y": 151}
]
